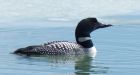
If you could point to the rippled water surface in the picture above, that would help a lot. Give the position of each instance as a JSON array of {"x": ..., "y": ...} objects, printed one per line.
[{"x": 118, "y": 52}]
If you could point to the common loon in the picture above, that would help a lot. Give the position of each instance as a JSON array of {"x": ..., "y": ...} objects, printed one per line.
[{"x": 83, "y": 44}]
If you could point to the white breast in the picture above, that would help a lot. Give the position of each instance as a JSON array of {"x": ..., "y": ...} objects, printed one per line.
[{"x": 92, "y": 51}]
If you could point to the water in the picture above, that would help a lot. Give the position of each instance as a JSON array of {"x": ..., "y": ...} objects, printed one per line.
[
  {"x": 22, "y": 13},
  {"x": 118, "y": 52},
  {"x": 33, "y": 22}
]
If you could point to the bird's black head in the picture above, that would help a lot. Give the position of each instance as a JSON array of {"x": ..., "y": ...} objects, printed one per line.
[
  {"x": 84, "y": 28},
  {"x": 90, "y": 24}
]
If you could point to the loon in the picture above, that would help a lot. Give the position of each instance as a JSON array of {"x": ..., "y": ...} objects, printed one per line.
[{"x": 83, "y": 44}]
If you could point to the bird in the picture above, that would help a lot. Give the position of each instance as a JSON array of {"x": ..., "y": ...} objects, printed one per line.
[{"x": 83, "y": 44}]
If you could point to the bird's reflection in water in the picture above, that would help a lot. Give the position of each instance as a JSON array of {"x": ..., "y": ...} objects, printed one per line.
[{"x": 83, "y": 64}]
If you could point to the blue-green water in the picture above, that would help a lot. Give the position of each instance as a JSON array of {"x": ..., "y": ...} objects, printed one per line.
[{"x": 118, "y": 52}]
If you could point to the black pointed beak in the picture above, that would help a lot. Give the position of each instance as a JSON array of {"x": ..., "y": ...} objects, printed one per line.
[{"x": 104, "y": 25}]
